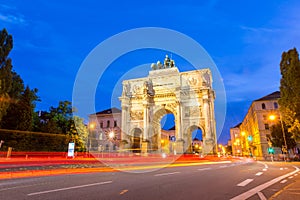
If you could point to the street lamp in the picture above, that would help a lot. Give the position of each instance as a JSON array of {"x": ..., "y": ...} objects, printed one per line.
[
  {"x": 284, "y": 148},
  {"x": 111, "y": 135},
  {"x": 92, "y": 127}
]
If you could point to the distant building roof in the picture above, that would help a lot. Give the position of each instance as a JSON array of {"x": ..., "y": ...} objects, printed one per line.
[
  {"x": 272, "y": 96},
  {"x": 237, "y": 126},
  {"x": 108, "y": 111}
]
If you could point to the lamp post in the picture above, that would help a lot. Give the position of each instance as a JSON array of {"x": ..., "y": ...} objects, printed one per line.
[
  {"x": 92, "y": 126},
  {"x": 111, "y": 136},
  {"x": 284, "y": 148}
]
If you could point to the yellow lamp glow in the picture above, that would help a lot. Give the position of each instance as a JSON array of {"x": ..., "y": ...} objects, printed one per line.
[{"x": 272, "y": 117}]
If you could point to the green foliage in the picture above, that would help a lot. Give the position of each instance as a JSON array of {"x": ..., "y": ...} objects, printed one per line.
[
  {"x": 290, "y": 91},
  {"x": 21, "y": 112},
  {"x": 61, "y": 115},
  {"x": 16, "y": 102},
  {"x": 33, "y": 141},
  {"x": 6, "y": 44},
  {"x": 78, "y": 133},
  {"x": 277, "y": 139}
]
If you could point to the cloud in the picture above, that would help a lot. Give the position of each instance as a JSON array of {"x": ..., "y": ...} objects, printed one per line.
[
  {"x": 10, "y": 14},
  {"x": 259, "y": 29},
  {"x": 14, "y": 19}
]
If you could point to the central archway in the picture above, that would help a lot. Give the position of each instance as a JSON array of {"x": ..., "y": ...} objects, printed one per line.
[{"x": 160, "y": 140}]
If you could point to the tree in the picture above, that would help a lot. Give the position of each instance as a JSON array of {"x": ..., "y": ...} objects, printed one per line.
[
  {"x": 277, "y": 139},
  {"x": 57, "y": 120},
  {"x": 290, "y": 91},
  {"x": 62, "y": 115},
  {"x": 78, "y": 133},
  {"x": 6, "y": 44},
  {"x": 20, "y": 113}
]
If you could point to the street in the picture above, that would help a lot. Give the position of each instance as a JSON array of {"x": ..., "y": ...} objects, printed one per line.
[{"x": 224, "y": 180}]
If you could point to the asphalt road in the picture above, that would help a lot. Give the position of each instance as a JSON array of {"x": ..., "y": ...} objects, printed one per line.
[{"x": 227, "y": 180}]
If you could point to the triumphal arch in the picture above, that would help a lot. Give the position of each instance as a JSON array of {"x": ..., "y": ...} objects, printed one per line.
[{"x": 188, "y": 95}]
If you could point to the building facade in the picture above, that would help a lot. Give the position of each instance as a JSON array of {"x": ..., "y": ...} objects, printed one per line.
[
  {"x": 104, "y": 130},
  {"x": 236, "y": 137},
  {"x": 250, "y": 138}
]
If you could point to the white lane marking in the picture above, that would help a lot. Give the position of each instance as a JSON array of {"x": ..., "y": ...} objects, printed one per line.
[
  {"x": 123, "y": 192},
  {"x": 296, "y": 175},
  {"x": 261, "y": 187},
  {"x": 258, "y": 173},
  {"x": 283, "y": 181},
  {"x": 291, "y": 177},
  {"x": 166, "y": 174},
  {"x": 266, "y": 166},
  {"x": 261, "y": 196},
  {"x": 245, "y": 182},
  {"x": 223, "y": 166},
  {"x": 285, "y": 168},
  {"x": 69, "y": 188},
  {"x": 265, "y": 169},
  {"x": 281, "y": 168},
  {"x": 23, "y": 186},
  {"x": 202, "y": 169}
]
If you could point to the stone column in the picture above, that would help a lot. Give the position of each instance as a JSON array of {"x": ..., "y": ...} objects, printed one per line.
[
  {"x": 208, "y": 140},
  {"x": 146, "y": 122},
  {"x": 124, "y": 122},
  {"x": 179, "y": 144}
]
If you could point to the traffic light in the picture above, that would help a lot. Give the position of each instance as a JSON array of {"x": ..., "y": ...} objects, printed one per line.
[
  {"x": 250, "y": 138},
  {"x": 271, "y": 150}
]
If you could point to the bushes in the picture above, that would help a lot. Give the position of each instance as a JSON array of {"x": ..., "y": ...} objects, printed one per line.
[{"x": 33, "y": 141}]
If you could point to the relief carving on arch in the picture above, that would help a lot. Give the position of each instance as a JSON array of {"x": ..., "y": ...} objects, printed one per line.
[
  {"x": 192, "y": 111},
  {"x": 136, "y": 115}
]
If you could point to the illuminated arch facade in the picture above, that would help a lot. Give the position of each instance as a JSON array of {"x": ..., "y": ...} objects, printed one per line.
[{"x": 188, "y": 95}]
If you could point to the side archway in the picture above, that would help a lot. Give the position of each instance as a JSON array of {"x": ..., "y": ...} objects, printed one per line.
[
  {"x": 136, "y": 140},
  {"x": 191, "y": 144}
]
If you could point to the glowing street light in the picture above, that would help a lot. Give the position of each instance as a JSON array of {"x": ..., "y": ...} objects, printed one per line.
[
  {"x": 92, "y": 126},
  {"x": 272, "y": 117},
  {"x": 284, "y": 149},
  {"x": 111, "y": 135}
]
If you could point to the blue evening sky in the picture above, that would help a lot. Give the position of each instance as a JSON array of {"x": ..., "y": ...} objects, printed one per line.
[{"x": 244, "y": 38}]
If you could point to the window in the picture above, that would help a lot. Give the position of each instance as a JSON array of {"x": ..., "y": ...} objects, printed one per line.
[
  {"x": 265, "y": 117},
  {"x": 115, "y": 123},
  {"x": 263, "y": 106},
  {"x": 101, "y": 124},
  {"x": 275, "y": 105},
  {"x": 267, "y": 126},
  {"x": 101, "y": 136},
  {"x": 108, "y": 124}
]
